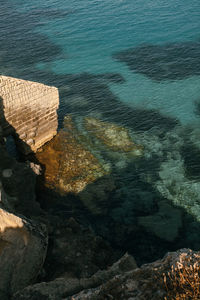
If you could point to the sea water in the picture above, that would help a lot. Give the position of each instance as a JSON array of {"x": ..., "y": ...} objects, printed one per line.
[
  {"x": 136, "y": 63},
  {"x": 90, "y": 32}
]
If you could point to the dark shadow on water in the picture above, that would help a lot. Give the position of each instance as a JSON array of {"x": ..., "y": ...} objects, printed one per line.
[
  {"x": 172, "y": 61},
  {"x": 21, "y": 46}
]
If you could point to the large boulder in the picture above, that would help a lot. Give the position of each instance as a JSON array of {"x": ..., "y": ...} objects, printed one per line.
[{"x": 23, "y": 245}]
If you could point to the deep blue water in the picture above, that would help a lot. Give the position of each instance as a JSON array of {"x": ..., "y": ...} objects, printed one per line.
[{"x": 132, "y": 62}]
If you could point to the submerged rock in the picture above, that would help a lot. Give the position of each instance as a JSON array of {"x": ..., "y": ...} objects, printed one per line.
[
  {"x": 115, "y": 137},
  {"x": 95, "y": 197},
  {"x": 69, "y": 165},
  {"x": 175, "y": 186},
  {"x": 75, "y": 161},
  {"x": 165, "y": 224}
]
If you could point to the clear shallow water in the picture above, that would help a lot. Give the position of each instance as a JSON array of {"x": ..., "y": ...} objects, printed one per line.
[{"x": 73, "y": 45}]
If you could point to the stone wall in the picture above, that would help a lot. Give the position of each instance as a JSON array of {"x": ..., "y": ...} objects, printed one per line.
[{"x": 28, "y": 110}]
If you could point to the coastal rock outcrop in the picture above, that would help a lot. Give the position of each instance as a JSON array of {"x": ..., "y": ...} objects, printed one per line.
[
  {"x": 125, "y": 281},
  {"x": 28, "y": 110},
  {"x": 62, "y": 287},
  {"x": 23, "y": 245}
]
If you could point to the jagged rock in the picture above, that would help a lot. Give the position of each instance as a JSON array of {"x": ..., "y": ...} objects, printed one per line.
[
  {"x": 60, "y": 288},
  {"x": 122, "y": 281},
  {"x": 165, "y": 223},
  {"x": 23, "y": 245},
  {"x": 147, "y": 282},
  {"x": 113, "y": 136}
]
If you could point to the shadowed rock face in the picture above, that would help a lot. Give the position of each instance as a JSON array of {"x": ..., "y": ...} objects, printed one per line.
[
  {"x": 23, "y": 245},
  {"x": 173, "y": 61}
]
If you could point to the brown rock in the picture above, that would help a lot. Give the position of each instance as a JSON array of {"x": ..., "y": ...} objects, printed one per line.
[{"x": 22, "y": 251}]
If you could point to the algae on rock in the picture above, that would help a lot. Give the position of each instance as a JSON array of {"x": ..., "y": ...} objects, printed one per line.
[
  {"x": 69, "y": 165},
  {"x": 115, "y": 137}
]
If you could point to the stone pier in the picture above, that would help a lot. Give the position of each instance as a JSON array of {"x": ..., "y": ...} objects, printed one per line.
[{"x": 28, "y": 110}]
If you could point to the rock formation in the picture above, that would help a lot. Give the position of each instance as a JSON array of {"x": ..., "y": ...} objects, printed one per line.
[
  {"x": 23, "y": 245},
  {"x": 28, "y": 110},
  {"x": 123, "y": 280}
]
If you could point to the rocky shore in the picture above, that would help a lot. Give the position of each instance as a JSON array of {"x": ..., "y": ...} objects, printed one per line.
[{"x": 46, "y": 256}]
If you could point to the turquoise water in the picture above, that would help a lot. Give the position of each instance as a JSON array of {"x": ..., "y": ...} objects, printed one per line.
[
  {"x": 92, "y": 31},
  {"x": 136, "y": 63}
]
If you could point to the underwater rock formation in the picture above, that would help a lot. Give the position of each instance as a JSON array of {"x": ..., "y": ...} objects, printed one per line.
[
  {"x": 115, "y": 137},
  {"x": 69, "y": 165},
  {"x": 174, "y": 61},
  {"x": 73, "y": 160},
  {"x": 165, "y": 223},
  {"x": 178, "y": 188}
]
